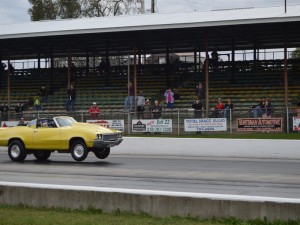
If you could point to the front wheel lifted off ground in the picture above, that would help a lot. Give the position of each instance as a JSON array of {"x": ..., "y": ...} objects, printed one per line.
[
  {"x": 102, "y": 153},
  {"x": 79, "y": 150},
  {"x": 42, "y": 155},
  {"x": 17, "y": 151}
]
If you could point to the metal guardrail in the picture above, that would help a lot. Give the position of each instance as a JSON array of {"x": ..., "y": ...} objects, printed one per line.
[{"x": 177, "y": 119}]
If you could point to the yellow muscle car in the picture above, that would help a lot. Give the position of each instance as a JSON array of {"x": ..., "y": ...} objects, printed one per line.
[{"x": 62, "y": 134}]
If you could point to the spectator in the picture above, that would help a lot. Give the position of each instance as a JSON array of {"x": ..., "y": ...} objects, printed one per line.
[
  {"x": 214, "y": 59},
  {"x": 11, "y": 69},
  {"x": 218, "y": 109},
  {"x": 130, "y": 97},
  {"x": 22, "y": 122},
  {"x": 71, "y": 92},
  {"x": 101, "y": 67},
  {"x": 156, "y": 110},
  {"x": 200, "y": 92},
  {"x": 176, "y": 94},
  {"x": 267, "y": 108},
  {"x": 4, "y": 112},
  {"x": 257, "y": 109},
  {"x": 140, "y": 102},
  {"x": 19, "y": 111},
  {"x": 44, "y": 94},
  {"x": 147, "y": 110},
  {"x": 169, "y": 98},
  {"x": 197, "y": 106},
  {"x": 37, "y": 101},
  {"x": 94, "y": 111},
  {"x": 228, "y": 107}
]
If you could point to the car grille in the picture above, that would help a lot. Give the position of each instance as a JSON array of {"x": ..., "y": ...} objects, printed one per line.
[{"x": 110, "y": 137}]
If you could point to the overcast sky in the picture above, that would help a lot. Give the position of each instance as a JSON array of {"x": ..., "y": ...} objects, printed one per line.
[{"x": 14, "y": 11}]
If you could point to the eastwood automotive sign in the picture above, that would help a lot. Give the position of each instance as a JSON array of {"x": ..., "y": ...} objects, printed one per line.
[
  {"x": 259, "y": 124},
  {"x": 159, "y": 125},
  {"x": 205, "y": 124},
  {"x": 112, "y": 124}
]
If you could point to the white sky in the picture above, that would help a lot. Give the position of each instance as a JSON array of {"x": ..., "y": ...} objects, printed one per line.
[{"x": 14, "y": 11}]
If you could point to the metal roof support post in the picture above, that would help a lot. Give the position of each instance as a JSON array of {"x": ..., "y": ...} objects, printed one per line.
[
  {"x": 69, "y": 67},
  {"x": 87, "y": 63},
  {"x": 206, "y": 76},
  {"x": 2, "y": 70},
  {"x": 107, "y": 67},
  {"x": 168, "y": 64},
  {"x": 195, "y": 59},
  {"x": 134, "y": 77},
  {"x": 285, "y": 75},
  {"x": 8, "y": 82},
  {"x": 233, "y": 60},
  {"x": 51, "y": 71}
]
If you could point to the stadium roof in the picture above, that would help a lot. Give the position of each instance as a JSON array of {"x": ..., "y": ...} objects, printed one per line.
[{"x": 182, "y": 32}]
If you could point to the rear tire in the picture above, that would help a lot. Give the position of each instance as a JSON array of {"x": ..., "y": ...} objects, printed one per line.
[
  {"x": 79, "y": 151},
  {"x": 17, "y": 151},
  {"x": 102, "y": 153},
  {"x": 42, "y": 155}
]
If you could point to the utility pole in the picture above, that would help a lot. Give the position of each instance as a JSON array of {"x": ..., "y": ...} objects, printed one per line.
[{"x": 152, "y": 6}]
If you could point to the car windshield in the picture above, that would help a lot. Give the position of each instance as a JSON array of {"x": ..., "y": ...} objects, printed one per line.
[
  {"x": 32, "y": 123},
  {"x": 65, "y": 121}
]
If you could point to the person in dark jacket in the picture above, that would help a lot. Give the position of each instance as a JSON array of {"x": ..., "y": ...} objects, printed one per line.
[
  {"x": 197, "y": 106},
  {"x": 71, "y": 92}
]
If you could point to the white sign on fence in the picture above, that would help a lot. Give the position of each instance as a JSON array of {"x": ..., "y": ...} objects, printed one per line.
[
  {"x": 155, "y": 125},
  {"x": 205, "y": 124},
  {"x": 296, "y": 123},
  {"x": 113, "y": 124}
]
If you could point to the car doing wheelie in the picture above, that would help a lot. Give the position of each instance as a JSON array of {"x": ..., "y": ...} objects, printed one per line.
[{"x": 62, "y": 134}]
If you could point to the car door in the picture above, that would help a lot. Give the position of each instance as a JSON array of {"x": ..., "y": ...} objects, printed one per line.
[{"x": 46, "y": 137}]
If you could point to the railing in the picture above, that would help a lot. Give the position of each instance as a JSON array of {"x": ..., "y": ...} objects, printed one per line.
[{"x": 179, "y": 121}]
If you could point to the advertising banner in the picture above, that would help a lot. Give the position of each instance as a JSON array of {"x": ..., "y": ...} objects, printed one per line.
[
  {"x": 259, "y": 124},
  {"x": 296, "y": 123},
  {"x": 112, "y": 124},
  {"x": 159, "y": 125},
  {"x": 205, "y": 124}
]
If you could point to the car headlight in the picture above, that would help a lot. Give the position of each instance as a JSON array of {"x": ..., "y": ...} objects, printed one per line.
[{"x": 99, "y": 136}]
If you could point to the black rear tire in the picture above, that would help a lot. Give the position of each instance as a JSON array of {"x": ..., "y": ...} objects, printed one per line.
[
  {"x": 102, "y": 153},
  {"x": 17, "y": 151},
  {"x": 42, "y": 155}
]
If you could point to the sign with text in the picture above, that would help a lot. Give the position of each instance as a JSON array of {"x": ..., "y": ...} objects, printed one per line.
[
  {"x": 112, "y": 124},
  {"x": 296, "y": 123},
  {"x": 259, "y": 124},
  {"x": 159, "y": 125},
  {"x": 205, "y": 124}
]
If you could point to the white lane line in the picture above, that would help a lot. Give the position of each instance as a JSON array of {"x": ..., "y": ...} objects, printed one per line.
[{"x": 156, "y": 193}]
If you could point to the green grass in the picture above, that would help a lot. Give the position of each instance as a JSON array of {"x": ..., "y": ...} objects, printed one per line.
[{"x": 22, "y": 215}]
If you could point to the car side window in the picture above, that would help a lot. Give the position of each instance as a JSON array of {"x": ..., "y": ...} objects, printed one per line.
[{"x": 51, "y": 123}]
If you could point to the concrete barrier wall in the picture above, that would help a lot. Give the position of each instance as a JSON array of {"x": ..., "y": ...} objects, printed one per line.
[{"x": 156, "y": 203}]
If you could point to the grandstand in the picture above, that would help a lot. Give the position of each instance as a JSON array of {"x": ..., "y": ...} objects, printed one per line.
[{"x": 245, "y": 89}]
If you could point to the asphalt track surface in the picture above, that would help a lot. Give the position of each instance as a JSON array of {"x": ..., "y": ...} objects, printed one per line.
[{"x": 233, "y": 167}]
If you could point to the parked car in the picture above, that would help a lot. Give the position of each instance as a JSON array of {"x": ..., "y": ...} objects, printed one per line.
[{"x": 63, "y": 134}]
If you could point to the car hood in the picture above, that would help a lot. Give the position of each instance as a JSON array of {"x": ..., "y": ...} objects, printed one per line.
[{"x": 92, "y": 127}]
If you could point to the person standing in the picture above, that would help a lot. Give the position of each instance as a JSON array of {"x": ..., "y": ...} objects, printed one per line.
[
  {"x": 228, "y": 107},
  {"x": 197, "y": 106},
  {"x": 200, "y": 92},
  {"x": 44, "y": 94},
  {"x": 4, "y": 112},
  {"x": 129, "y": 99},
  {"x": 169, "y": 98},
  {"x": 94, "y": 111},
  {"x": 147, "y": 110},
  {"x": 71, "y": 92},
  {"x": 19, "y": 111},
  {"x": 140, "y": 102},
  {"x": 156, "y": 110},
  {"x": 37, "y": 101}
]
